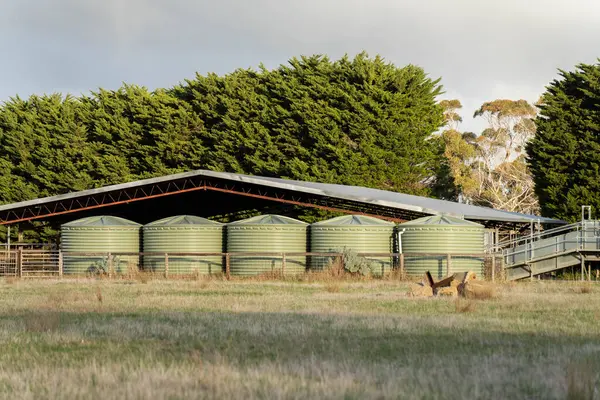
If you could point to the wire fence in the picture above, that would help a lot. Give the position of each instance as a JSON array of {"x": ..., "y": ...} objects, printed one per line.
[{"x": 55, "y": 263}]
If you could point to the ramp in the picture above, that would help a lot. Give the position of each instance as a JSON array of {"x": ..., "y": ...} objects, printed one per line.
[{"x": 552, "y": 250}]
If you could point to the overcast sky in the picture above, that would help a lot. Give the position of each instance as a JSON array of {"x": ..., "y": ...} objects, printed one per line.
[{"x": 481, "y": 49}]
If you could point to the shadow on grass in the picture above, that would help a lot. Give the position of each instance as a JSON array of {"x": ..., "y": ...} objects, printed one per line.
[{"x": 414, "y": 351}]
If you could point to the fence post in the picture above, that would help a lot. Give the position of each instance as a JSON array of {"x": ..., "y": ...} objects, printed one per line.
[
  {"x": 227, "y": 272},
  {"x": 109, "y": 264},
  {"x": 60, "y": 264},
  {"x": 20, "y": 262},
  {"x": 402, "y": 271},
  {"x": 283, "y": 260},
  {"x": 448, "y": 264},
  {"x": 493, "y": 267},
  {"x": 166, "y": 265}
]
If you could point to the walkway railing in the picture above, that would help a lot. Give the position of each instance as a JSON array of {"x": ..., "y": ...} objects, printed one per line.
[{"x": 581, "y": 236}]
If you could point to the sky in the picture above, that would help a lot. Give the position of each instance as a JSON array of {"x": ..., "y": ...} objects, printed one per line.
[{"x": 481, "y": 49}]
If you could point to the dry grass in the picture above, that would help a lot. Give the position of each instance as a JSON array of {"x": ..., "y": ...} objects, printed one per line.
[
  {"x": 9, "y": 280},
  {"x": 210, "y": 338},
  {"x": 583, "y": 379},
  {"x": 586, "y": 288},
  {"x": 464, "y": 306},
  {"x": 39, "y": 322},
  {"x": 478, "y": 291},
  {"x": 332, "y": 287}
]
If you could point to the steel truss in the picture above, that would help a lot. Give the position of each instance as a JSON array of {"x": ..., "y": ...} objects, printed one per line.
[{"x": 194, "y": 184}]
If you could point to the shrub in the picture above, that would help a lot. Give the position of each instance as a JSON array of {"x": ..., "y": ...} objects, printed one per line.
[{"x": 355, "y": 264}]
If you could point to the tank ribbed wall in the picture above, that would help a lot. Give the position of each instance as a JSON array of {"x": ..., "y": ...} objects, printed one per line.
[
  {"x": 266, "y": 234},
  {"x": 357, "y": 233},
  {"x": 184, "y": 234},
  {"x": 100, "y": 235},
  {"x": 456, "y": 236}
]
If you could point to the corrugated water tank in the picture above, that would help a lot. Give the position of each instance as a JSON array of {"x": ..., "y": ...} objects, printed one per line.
[
  {"x": 359, "y": 233},
  {"x": 443, "y": 235},
  {"x": 100, "y": 234},
  {"x": 267, "y": 234},
  {"x": 183, "y": 234}
]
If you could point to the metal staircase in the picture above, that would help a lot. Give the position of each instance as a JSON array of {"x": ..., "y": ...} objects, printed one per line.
[{"x": 553, "y": 250}]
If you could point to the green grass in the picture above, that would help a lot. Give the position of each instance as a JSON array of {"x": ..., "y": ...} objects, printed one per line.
[{"x": 217, "y": 339}]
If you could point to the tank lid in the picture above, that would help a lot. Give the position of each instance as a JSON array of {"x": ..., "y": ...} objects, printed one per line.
[
  {"x": 102, "y": 220},
  {"x": 183, "y": 220},
  {"x": 445, "y": 220},
  {"x": 362, "y": 220},
  {"x": 269, "y": 220}
]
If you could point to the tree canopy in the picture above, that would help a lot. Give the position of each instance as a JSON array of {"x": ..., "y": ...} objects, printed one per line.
[
  {"x": 359, "y": 121},
  {"x": 489, "y": 169},
  {"x": 564, "y": 156}
]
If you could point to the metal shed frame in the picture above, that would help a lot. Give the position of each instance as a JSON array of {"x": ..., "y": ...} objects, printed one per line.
[{"x": 383, "y": 204}]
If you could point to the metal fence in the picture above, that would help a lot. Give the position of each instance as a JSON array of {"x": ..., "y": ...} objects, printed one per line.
[{"x": 55, "y": 263}]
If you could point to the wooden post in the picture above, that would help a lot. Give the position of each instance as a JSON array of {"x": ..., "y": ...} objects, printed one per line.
[
  {"x": 20, "y": 262},
  {"x": 493, "y": 267},
  {"x": 109, "y": 265},
  {"x": 227, "y": 272},
  {"x": 530, "y": 272},
  {"x": 166, "y": 265},
  {"x": 448, "y": 264},
  {"x": 582, "y": 268},
  {"x": 402, "y": 270},
  {"x": 60, "y": 264},
  {"x": 283, "y": 260}
]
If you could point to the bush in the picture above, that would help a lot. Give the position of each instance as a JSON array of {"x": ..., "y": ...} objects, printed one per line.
[{"x": 355, "y": 264}]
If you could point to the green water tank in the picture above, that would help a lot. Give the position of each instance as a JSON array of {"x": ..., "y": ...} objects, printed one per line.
[
  {"x": 442, "y": 234},
  {"x": 183, "y": 234},
  {"x": 270, "y": 234},
  {"x": 358, "y": 233},
  {"x": 101, "y": 234}
]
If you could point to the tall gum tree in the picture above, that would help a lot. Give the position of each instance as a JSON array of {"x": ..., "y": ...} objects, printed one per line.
[{"x": 490, "y": 169}]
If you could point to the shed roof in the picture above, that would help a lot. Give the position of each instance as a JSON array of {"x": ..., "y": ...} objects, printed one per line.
[{"x": 344, "y": 197}]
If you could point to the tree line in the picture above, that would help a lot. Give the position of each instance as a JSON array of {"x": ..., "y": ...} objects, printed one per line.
[{"x": 355, "y": 121}]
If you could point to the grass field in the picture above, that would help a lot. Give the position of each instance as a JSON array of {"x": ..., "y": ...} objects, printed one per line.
[{"x": 218, "y": 339}]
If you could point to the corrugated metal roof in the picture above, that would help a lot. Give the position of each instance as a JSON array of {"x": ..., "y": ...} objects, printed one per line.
[
  {"x": 102, "y": 220},
  {"x": 182, "y": 220},
  {"x": 401, "y": 201},
  {"x": 441, "y": 220},
  {"x": 269, "y": 220},
  {"x": 354, "y": 220}
]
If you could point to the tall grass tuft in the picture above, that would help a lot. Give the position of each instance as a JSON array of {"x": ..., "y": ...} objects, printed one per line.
[
  {"x": 464, "y": 306},
  {"x": 11, "y": 280},
  {"x": 332, "y": 287},
  {"x": 586, "y": 288},
  {"x": 41, "y": 322},
  {"x": 478, "y": 291},
  {"x": 583, "y": 379}
]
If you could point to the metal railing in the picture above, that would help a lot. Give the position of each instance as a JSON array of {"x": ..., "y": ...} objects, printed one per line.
[
  {"x": 534, "y": 247},
  {"x": 55, "y": 263},
  {"x": 537, "y": 236}
]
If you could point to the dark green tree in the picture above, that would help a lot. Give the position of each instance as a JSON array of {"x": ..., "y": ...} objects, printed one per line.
[
  {"x": 564, "y": 155},
  {"x": 358, "y": 121}
]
